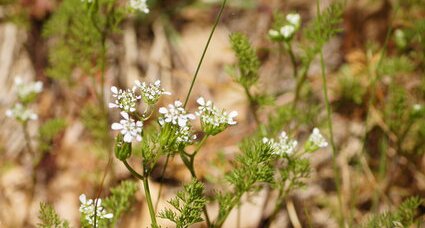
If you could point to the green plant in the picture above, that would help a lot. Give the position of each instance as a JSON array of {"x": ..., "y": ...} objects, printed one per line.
[{"x": 49, "y": 218}]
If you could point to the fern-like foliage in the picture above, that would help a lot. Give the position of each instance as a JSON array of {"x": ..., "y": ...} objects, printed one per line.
[
  {"x": 404, "y": 216},
  {"x": 48, "y": 131},
  {"x": 246, "y": 70},
  {"x": 49, "y": 218},
  {"x": 121, "y": 199},
  {"x": 252, "y": 166},
  {"x": 188, "y": 205},
  {"x": 322, "y": 28},
  {"x": 75, "y": 40}
]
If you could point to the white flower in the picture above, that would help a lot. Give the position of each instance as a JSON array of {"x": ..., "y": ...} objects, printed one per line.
[
  {"x": 27, "y": 89},
  {"x": 214, "y": 120},
  {"x": 21, "y": 113},
  {"x": 175, "y": 114},
  {"x": 129, "y": 128},
  {"x": 274, "y": 34},
  {"x": 317, "y": 139},
  {"x": 151, "y": 92},
  {"x": 125, "y": 99},
  {"x": 139, "y": 5},
  {"x": 87, "y": 209},
  {"x": 287, "y": 31},
  {"x": 417, "y": 107},
  {"x": 283, "y": 146},
  {"x": 294, "y": 19}
]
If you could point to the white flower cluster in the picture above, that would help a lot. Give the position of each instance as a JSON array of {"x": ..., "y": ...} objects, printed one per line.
[
  {"x": 151, "y": 92},
  {"x": 129, "y": 128},
  {"x": 214, "y": 120},
  {"x": 125, "y": 99},
  {"x": 317, "y": 140},
  {"x": 87, "y": 209},
  {"x": 287, "y": 31},
  {"x": 21, "y": 113},
  {"x": 25, "y": 90},
  {"x": 284, "y": 146},
  {"x": 139, "y": 5},
  {"x": 26, "y": 93},
  {"x": 177, "y": 116}
]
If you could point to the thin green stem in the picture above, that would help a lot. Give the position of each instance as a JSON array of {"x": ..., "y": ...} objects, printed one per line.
[
  {"x": 132, "y": 171},
  {"x": 28, "y": 139},
  {"x": 149, "y": 201},
  {"x": 252, "y": 105},
  {"x": 299, "y": 85},
  {"x": 161, "y": 181},
  {"x": 204, "y": 52},
  {"x": 288, "y": 47},
  {"x": 332, "y": 142}
]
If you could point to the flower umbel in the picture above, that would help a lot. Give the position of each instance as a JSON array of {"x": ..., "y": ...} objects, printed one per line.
[
  {"x": 151, "y": 92},
  {"x": 294, "y": 19},
  {"x": 287, "y": 31},
  {"x": 129, "y": 128},
  {"x": 21, "y": 113},
  {"x": 175, "y": 127},
  {"x": 175, "y": 114},
  {"x": 125, "y": 99},
  {"x": 27, "y": 90},
  {"x": 214, "y": 120},
  {"x": 284, "y": 146},
  {"x": 315, "y": 141},
  {"x": 139, "y": 5},
  {"x": 87, "y": 209}
]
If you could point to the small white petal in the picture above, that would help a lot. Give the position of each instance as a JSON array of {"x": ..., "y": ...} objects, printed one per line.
[
  {"x": 182, "y": 122},
  {"x": 201, "y": 101},
  {"x": 139, "y": 138},
  {"x": 128, "y": 138},
  {"x": 125, "y": 115},
  {"x": 112, "y": 105},
  {"x": 114, "y": 89},
  {"x": 83, "y": 198},
  {"x": 110, "y": 215},
  {"x": 163, "y": 110},
  {"x": 233, "y": 114},
  {"x": 117, "y": 126}
]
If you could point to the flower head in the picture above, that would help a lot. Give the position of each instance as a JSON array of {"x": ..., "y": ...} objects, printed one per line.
[
  {"x": 151, "y": 92},
  {"x": 175, "y": 127},
  {"x": 214, "y": 120},
  {"x": 284, "y": 145},
  {"x": 175, "y": 114},
  {"x": 294, "y": 19},
  {"x": 27, "y": 90},
  {"x": 125, "y": 99},
  {"x": 287, "y": 31},
  {"x": 315, "y": 141},
  {"x": 139, "y": 5},
  {"x": 21, "y": 113},
  {"x": 88, "y": 208},
  {"x": 129, "y": 128}
]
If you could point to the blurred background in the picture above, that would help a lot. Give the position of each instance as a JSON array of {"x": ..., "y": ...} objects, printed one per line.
[{"x": 380, "y": 144}]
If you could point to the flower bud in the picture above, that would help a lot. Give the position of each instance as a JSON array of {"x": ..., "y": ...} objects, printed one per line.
[{"x": 122, "y": 149}]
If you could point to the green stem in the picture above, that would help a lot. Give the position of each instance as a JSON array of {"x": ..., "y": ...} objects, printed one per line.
[
  {"x": 288, "y": 47},
  {"x": 332, "y": 142},
  {"x": 149, "y": 201},
  {"x": 132, "y": 171},
  {"x": 300, "y": 83},
  {"x": 252, "y": 105},
  {"x": 204, "y": 52}
]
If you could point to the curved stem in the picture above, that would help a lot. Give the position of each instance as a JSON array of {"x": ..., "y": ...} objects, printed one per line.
[
  {"x": 132, "y": 171},
  {"x": 149, "y": 201},
  {"x": 204, "y": 52}
]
